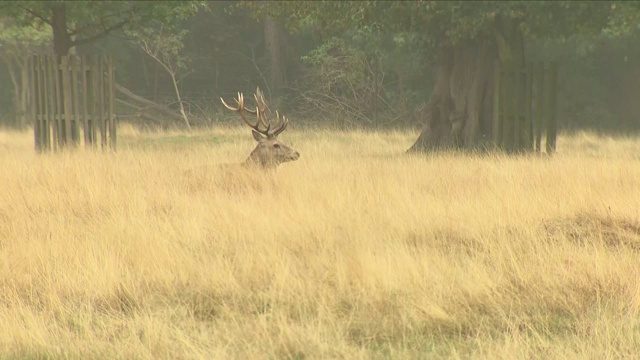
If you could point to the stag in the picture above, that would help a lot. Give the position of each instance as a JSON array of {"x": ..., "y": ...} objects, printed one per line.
[{"x": 269, "y": 153}]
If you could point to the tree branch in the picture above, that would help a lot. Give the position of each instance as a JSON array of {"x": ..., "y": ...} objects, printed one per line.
[
  {"x": 149, "y": 104},
  {"x": 100, "y": 35},
  {"x": 35, "y": 14},
  {"x": 102, "y": 21}
]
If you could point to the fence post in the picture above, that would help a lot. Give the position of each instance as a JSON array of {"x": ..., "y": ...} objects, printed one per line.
[
  {"x": 508, "y": 109},
  {"x": 86, "y": 122},
  {"x": 101, "y": 110},
  {"x": 528, "y": 142},
  {"x": 51, "y": 100},
  {"x": 540, "y": 94},
  {"x": 516, "y": 95},
  {"x": 94, "y": 100},
  {"x": 112, "y": 97},
  {"x": 44, "y": 101},
  {"x": 552, "y": 125},
  {"x": 497, "y": 101},
  {"x": 35, "y": 113},
  {"x": 75, "y": 99},
  {"x": 67, "y": 99}
]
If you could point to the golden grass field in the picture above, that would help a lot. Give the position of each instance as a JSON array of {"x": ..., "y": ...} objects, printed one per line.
[{"x": 355, "y": 251}]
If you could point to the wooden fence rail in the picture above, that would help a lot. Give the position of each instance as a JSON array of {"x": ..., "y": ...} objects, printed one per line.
[
  {"x": 73, "y": 101},
  {"x": 525, "y": 107}
]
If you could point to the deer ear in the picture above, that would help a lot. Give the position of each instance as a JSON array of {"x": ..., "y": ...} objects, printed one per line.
[{"x": 257, "y": 136}]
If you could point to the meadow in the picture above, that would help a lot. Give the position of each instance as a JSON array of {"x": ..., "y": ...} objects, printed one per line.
[{"x": 355, "y": 251}]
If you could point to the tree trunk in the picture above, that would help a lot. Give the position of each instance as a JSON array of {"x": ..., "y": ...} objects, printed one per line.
[
  {"x": 460, "y": 111},
  {"x": 61, "y": 38},
  {"x": 25, "y": 94},
  {"x": 275, "y": 43}
]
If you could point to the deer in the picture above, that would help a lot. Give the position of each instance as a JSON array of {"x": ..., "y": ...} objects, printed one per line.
[{"x": 269, "y": 153}]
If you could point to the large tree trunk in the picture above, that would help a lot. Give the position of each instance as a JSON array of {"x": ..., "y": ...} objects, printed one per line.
[
  {"x": 460, "y": 111},
  {"x": 275, "y": 42},
  {"x": 61, "y": 37}
]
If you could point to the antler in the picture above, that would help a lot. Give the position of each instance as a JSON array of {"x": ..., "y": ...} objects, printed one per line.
[
  {"x": 261, "y": 108},
  {"x": 240, "y": 109},
  {"x": 282, "y": 124}
]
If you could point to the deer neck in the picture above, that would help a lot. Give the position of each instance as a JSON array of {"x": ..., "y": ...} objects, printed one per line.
[{"x": 256, "y": 160}]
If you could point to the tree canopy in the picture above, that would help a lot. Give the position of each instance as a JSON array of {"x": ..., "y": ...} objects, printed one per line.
[
  {"x": 446, "y": 22},
  {"x": 77, "y": 23},
  {"x": 370, "y": 63}
]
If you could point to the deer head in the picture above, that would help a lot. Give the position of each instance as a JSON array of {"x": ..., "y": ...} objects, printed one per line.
[{"x": 269, "y": 153}]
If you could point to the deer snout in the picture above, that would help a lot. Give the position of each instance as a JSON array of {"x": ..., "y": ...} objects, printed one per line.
[{"x": 295, "y": 155}]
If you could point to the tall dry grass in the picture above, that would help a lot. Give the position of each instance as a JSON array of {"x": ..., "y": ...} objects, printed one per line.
[{"x": 354, "y": 251}]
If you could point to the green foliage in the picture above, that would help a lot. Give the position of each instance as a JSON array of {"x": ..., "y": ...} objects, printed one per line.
[
  {"x": 88, "y": 21},
  {"x": 418, "y": 28},
  {"x": 17, "y": 42},
  {"x": 445, "y": 22},
  {"x": 18, "y": 39},
  {"x": 624, "y": 19}
]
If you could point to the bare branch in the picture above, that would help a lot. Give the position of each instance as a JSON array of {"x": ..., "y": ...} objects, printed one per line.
[{"x": 166, "y": 60}]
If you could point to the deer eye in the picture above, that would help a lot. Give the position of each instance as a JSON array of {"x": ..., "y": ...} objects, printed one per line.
[{"x": 277, "y": 146}]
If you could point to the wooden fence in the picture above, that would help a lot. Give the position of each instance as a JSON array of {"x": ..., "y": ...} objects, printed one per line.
[
  {"x": 525, "y": 107},
  {"x": 73, "y": 101}
]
